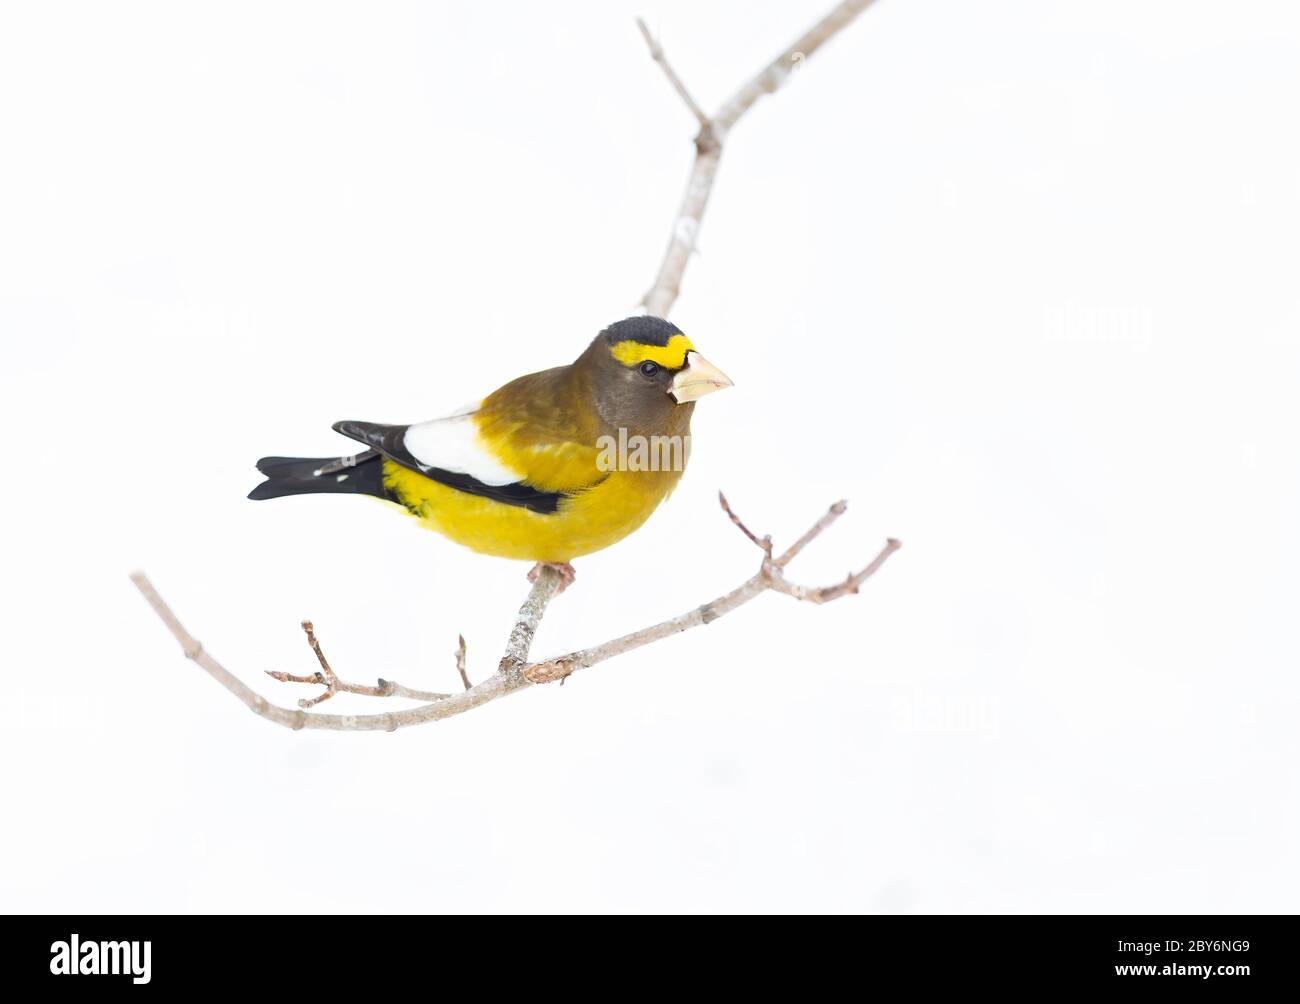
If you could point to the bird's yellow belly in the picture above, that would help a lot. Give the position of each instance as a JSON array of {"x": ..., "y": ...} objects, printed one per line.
[{"x": 583, "y": 523}]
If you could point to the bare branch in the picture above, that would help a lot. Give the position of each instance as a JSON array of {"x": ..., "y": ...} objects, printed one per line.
[
  {"x": 662, "y": 295},
  {"x": 657, "y": 54},
  {"x": 328, "y": 679},
  {"x": 777, "y": 72},
  {"x": 490, "y": 689},
  {"x": 707, "y": 613},
  {"x": 765, "y": 545},
  {"x": 384, "y": 688},
  {"x": 832, "y": 514},
  {"x": 545, "y": 584},
  {"x": 515, "y": 672},
  {"x": 825, "y": 594},
  {"x": 331, "y": 681}
]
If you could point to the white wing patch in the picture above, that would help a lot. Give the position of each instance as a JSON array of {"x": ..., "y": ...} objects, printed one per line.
[{"x": 453, "y": 444}]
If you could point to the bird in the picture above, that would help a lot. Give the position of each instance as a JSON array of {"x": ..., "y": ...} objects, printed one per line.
[{"x": 548, "y": 468}]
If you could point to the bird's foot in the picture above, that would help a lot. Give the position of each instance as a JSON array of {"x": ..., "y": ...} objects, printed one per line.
[{"x": 566, "y": 572}]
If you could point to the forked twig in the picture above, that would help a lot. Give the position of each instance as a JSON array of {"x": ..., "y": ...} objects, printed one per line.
[
  {"x": 713, "y": 134},
  {"x": 328, "y": 679}
]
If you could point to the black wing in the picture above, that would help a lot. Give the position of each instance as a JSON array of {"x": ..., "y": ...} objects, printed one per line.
[{"x": 390, "y": 441}]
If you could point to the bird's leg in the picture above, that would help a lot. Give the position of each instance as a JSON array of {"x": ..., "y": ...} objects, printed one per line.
[{"x": 566, "y": 572}]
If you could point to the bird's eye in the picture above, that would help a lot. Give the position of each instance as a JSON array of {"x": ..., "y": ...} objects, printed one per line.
[{"x": 649, "y": 369}]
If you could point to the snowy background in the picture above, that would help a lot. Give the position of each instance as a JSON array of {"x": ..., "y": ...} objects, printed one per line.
[{"x": 1018, "y": 279}]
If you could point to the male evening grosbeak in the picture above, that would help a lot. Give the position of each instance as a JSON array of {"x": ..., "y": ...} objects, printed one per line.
[{"x": 520, "y": 474}]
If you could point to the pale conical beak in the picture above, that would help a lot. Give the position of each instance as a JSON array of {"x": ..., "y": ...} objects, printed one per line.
[{"x": 697, "y": 378}]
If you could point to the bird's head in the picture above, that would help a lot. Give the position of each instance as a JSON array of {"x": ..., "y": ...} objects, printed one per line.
[{"x": 644, "y": 368}]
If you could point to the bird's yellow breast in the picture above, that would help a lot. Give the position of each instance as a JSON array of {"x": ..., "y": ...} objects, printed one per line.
[{"x": 584, "y": 522}]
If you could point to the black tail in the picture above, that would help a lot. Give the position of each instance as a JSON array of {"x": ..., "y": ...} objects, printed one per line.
[{"x": 359, "y": 475}]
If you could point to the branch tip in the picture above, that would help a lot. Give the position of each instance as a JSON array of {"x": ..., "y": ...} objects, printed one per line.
[
  {"x": 657, "y": 54},
  {"x": 656, "y": 51},
  {"x": 460, "y": 661},
  {"x": 764, "y": 543}
]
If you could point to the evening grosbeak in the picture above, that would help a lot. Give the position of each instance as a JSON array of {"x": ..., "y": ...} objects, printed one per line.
[{"x": 525, "y": 472}]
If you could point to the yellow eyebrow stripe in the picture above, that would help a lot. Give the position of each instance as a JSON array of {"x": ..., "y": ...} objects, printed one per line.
[{"x": 671, "y": 356}]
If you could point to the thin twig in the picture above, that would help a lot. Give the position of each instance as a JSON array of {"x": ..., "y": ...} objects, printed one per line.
[
  {"x": 331, "y": 681},
  {"x": 774, "y": 75},
  {"x": 328, "y": 679},
  {"x": 824, "y": 594},
  {"x": 657, "y": 54},
  {"x": 384, "y": 688},
  {"x": 832, "y": 514},
  {"x": 765, "y": 544},
  {"x": 460, "y": 661}
]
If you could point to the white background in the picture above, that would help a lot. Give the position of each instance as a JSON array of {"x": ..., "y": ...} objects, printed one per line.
[{"x": 1016, "y": 278}]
